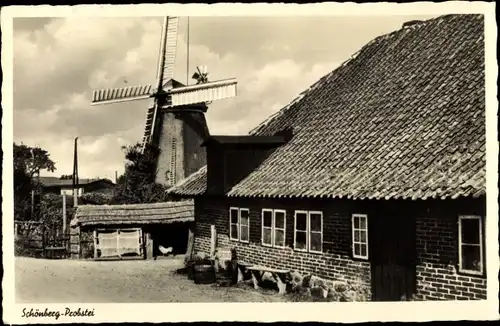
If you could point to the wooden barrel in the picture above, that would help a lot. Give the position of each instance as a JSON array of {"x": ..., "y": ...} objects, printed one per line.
[
  {"x": 190, "y": 269},
  {"x": 204, "y": 273}
]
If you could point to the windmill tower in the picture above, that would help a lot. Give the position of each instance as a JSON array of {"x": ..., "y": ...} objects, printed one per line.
[{"x": 176, "y": 120}]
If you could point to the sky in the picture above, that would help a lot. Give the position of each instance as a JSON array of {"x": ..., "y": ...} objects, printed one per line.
[{"x": 58, "y": 62}]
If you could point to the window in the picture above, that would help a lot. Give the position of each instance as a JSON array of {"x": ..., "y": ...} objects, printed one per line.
[
  {"x": 360, "y": 236},
  {"x": 244, "y": 225},
  {"x": 69, "y": 192},
  {"x": 470, "y": 239},
  {"x": 308, "y": 231},
  {"x": 239, "y": 224},
  {"x": 273, "y": 227}
]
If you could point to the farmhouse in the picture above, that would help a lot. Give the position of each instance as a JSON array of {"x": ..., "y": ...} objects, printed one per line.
[
  {"x": 131, "y": 231},
  {"x": 59, "y": 186},
  {"x": 375, "y": 174}
]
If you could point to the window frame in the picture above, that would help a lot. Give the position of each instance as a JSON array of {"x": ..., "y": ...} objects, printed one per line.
[
  {"x": 353, "y": 242},
  {"x": 307, "y": 231},
  {"x": 248, "y": 224},
  {"x": 295, "y": 230},
  {"x": 272, "y": 228},
  {"x": 481, "y": 245},
  {"x": 238, "y": 224}
]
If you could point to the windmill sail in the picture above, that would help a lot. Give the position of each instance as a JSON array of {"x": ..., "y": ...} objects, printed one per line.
[
  {"x": 168, "y": 91},
  {"x": 122, "y": 94},
  {"x": 170, "y": 49},
  {"x": 149, "y": 125},
  {"x": 205, "y": 92}
]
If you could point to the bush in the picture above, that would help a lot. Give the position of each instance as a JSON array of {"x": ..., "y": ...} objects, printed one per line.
[
  {"x": 96, "y": 198},
  {"x": 51, "y": 210},
  {"x": 26, "y": 247}
]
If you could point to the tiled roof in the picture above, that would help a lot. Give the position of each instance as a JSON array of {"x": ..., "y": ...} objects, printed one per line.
[
  {"x": 156, "y": 213},
  {"x": 193, "y": 185},
  {"x": 57, "y": 182},
  {"x": 403, "y": 118}
]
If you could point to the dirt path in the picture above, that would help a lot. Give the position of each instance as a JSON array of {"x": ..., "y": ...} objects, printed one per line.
[{"x": 70, "y": 281}]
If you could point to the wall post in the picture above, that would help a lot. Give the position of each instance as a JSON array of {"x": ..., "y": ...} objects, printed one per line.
[{"x": 74, "y": 239}]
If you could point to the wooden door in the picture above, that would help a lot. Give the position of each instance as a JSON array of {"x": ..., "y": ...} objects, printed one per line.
[{"x": 393, "y": 257}]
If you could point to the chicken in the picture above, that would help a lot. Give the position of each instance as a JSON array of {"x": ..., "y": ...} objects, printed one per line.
[{"x": 165, "y": 251}]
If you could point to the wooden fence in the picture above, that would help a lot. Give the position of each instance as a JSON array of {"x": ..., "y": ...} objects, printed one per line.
[{"x": 35, "y": 239}]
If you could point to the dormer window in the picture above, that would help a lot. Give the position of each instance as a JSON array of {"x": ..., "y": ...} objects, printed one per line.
[{"x": 231, "y": 158}]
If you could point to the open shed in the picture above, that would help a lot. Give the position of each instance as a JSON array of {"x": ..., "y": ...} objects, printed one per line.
[{"x": 131, "y": 231}]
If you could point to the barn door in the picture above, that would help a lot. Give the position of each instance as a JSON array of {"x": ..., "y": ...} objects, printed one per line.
[
  {"x": 393, "y": 258},
  {"x": 118, "y": 243},
  {"x": 129, "y": 242},
  {"x": 106, "y": 244}
]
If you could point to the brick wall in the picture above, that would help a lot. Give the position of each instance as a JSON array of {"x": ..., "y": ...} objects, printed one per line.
[
  {"x": 437, "y": 254},
  {"x": 442, "y": 282},
  {"x": 436, "y": 242},
  {"x": 335, "y": 263}
]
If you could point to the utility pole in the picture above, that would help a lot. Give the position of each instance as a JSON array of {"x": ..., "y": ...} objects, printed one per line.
[
  {"x": 64, "y": 212},
  {"x": 187, "y": 45},
  {"x": 32, "y": 205},
  {"x": 116, "y": 183},
  {"x": 32, "y": 217},
  {"x": 75, "y": 174}
]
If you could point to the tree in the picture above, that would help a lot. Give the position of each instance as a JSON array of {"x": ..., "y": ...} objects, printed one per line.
[
  {"x": 32, "y": 159},
  {"x": 66, "y": 177},
  {"x": 27, "y": 162},
  {"x": 137, "y": 184}
]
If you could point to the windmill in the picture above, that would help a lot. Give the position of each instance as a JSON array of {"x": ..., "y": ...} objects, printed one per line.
[{"x": 176, "y": 121}]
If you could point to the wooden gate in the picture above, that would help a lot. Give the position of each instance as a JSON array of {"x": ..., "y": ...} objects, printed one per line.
[
  {"x": 41, "y": 240},
  {"x": 119, "y": 243},
  {"x": 56, "y": 244},
  {"x": 393, "y": 258}
]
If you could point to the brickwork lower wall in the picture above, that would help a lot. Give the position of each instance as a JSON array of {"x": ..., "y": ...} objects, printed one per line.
[
  {"x": 437, "y": 253},
  {"x": 436, "y": 244},
  {"x": 442, "y": 282},
  {"x": 334, "y": 264}
]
